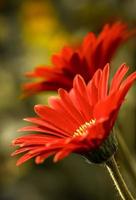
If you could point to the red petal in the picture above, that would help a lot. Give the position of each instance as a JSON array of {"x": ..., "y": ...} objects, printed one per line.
[
  {"x": 45, "y": 124},
  {"x": 58, "y": 104},
  {"x": 103, "y": 86},
  {"x": 117, "y": 79},
  {"x": 54, "y": 118},
  {"x": 82, "y": 97},
  {"x": 24, "y": 158},
  {"x": 69, "y": 104},
  {"x": 92, "y": 87},
  {"x": 41, "y": 158},
  {"x": 61, "y": 154}
]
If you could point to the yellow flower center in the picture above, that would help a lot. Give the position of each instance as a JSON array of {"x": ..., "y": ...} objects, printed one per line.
[{"x": 81, "y": 130}]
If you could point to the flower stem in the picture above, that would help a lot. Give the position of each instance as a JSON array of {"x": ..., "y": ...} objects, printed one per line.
[
  {"x": 129, "y": 160},
  {"x": 118, "y": 179}
]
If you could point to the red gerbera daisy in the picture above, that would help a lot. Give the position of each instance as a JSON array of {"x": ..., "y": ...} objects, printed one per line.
[
  {"x": 93, "y": 53},
  {"x": 78, "y": 121}
]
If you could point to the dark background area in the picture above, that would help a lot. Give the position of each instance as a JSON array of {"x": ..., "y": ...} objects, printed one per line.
[{"x": 30, "y": 32}]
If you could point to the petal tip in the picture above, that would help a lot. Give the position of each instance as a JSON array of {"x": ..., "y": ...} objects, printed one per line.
[
  {"x": 55, "y": 159},
  {"x": 18, "y": 164},
  {"x": 37, "y": 107},
  {"x": 13, "y": 143}
]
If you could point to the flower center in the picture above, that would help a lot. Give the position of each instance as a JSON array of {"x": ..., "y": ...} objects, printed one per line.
[{"x": 81, "y": 130}]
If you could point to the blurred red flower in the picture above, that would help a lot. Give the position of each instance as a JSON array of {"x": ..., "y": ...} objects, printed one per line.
[
  {"x": 93, "y": 53},
  {"x": 78, "y": 121}
]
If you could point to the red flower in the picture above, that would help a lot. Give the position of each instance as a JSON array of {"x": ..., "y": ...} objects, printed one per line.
[
  {"x": 93, "y": 53},
  {"x": 79, "y": 121}
]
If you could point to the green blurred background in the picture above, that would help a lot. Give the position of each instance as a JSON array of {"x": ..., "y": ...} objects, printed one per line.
[{"x": 30, "y": 31}]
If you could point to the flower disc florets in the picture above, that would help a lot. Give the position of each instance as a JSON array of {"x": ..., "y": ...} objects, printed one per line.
[{"x": 82, "y": 129}]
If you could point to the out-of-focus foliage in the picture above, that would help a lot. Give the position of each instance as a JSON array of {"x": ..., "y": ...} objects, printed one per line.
[
  {"x": 40, "y": 26},
  {"x": 30, "y": 31}
]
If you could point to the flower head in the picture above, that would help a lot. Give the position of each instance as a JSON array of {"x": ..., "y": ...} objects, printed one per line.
[
  {"x": 78, "y": 121},
  {"x": 93, "y": 53}
]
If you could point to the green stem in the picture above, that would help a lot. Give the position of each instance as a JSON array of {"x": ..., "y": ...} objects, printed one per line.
[
  {"x": 118, "y": 180},
  {"x": 130, "y": 162}
]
